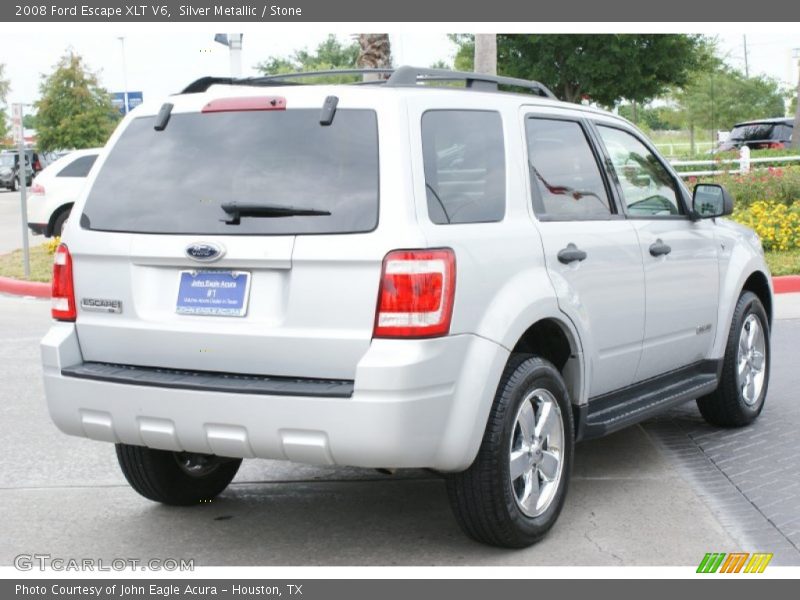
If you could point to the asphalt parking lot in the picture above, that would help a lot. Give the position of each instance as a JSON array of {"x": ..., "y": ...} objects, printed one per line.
[{"x": 633, "y": 499}]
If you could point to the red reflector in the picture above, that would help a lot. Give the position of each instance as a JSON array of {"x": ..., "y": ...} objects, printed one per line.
[
  {"x": 416, "y": 294},
  {"x": 245, "y": 103},
  {"x": 63, "y": 295},
  {"x": 37, "y": 189}
]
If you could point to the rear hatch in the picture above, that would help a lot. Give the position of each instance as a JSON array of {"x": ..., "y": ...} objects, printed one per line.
[{"x": 239, "y": 239}]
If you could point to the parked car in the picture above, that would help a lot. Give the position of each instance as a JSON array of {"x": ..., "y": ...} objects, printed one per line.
[
  {"x": 759, "y": 134},
  {"x": 9, "y": 171},
  {"x": 395, "y": 276},
  {"x": 55, "y": 190}
]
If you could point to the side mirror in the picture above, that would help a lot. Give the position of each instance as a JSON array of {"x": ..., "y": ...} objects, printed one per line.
[{"x": 711, "y": 200}]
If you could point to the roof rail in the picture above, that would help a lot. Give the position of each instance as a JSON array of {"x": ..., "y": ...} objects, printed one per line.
[
  {"x": 400, "y": 77},
  {"x": 412, "y": 76}
]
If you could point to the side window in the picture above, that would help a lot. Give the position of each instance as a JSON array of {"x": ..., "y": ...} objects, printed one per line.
[
  {"x": 565, "y": 180},
  {"x": 79, "y": 167},
  {"x": 465, "y": 166},
  {"x": 648, "y": 190}
]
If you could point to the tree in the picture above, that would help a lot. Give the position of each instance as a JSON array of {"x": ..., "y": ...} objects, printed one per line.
[
  {"x": 605, "y": 68},
  {"x": 4, "y": 87},
  {"x": 4, "y": 132},
  {"x": 718, "y": 97},
  {"x": 486, "y": 53},
  {"x": 29, "y": 121},
  {"x": 375, "y": 52},
  {"x": 796, "y": 134},
  {"x": 329, "y": 54},
  {"x": 74, "y": 111}
]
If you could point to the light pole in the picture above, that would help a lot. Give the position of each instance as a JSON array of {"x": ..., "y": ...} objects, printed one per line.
[
  {"x": 234, "y": 43},
  {"x": 124, "y": 77},
  {"x": 17, "y": 118}
]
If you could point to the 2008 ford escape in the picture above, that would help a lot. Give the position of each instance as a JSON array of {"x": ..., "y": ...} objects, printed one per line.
[{"x": 395, "y": 275}]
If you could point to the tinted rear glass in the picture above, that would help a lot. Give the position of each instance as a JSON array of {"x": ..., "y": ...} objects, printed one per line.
[
  {"x": 175, "y": 181},
  {"x": 79, "y": 167},
  {"x": 465, "y": 172},
  {"x": 754, "y": 132}
]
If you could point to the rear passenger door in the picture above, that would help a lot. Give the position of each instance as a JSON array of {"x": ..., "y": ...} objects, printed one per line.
[
  {"x": 680, "y": 255},
  {"x": 591, "y": 251}
]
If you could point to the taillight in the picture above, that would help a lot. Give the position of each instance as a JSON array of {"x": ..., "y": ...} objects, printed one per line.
[
  {"x": 37, "y": 189},
  {"x": 245, "y": 103},
  {"x": 63, "y": 294},
  {"x": 416, "y": 294}
]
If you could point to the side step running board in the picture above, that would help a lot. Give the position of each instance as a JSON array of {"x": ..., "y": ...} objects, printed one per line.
[{"x": 628, "y": 406}]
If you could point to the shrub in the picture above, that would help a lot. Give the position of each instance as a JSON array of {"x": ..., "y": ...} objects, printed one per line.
[
  {"x": 777, "y": 224},
  {"x": 778, "y": 184},
  {"x": 52, "y": 245}
]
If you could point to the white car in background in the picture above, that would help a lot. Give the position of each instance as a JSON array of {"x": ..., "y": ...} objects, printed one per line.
[{"x": 55, "y": 189}]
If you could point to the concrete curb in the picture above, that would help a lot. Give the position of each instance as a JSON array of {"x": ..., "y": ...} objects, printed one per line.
[
  {"x": 785, "y": 284},
  {"x": 17, "y": 287}
]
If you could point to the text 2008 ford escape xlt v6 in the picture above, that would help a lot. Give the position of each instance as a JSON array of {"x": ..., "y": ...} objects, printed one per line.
[{"x": 397, "y": 275}]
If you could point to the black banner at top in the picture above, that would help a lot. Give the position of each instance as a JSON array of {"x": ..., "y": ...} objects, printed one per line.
[{"x": 441, "y": 11}]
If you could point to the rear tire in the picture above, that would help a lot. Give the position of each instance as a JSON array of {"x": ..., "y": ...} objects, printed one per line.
[
  {"x": 515, "y": 489},
  {"x": 176, "y": 478},
  {"x": 742, "y": 390},
  {"x": 58, "y": 224}
]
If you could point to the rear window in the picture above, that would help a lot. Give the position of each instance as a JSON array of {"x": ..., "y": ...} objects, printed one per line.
[
  {"x": 175, "y": 181},
  {"x": 79, "y": 167},
  {"x": 752, "y": 133}
]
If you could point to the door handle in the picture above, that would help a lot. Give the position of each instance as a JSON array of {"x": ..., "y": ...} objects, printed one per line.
[
  {"x": 571, "y": 254},
  {"x": 659, "y": 248}
]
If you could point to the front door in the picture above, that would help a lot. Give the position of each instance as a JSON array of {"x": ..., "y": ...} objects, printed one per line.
[{"x": 679, "y": 255}]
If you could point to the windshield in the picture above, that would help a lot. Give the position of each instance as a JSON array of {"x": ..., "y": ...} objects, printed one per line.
[
  {"x": 6, "y": 160},
  {"x": 176, "y": 180},
  {"x": 754, "y": 132}
]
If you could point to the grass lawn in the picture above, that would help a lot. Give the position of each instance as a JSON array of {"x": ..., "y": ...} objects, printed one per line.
[
  {"x": 780, "y": 263},
  {"x": 784, "y": 263},
  {"x": 41, "y": 264}
]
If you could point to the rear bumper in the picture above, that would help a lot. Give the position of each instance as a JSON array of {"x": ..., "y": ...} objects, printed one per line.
[{"x": 415, "y": 403}]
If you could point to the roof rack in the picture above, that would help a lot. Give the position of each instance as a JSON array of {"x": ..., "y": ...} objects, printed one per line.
[
  {"x": 412, "y": 76},
  {"x": 400, "y": 77}
]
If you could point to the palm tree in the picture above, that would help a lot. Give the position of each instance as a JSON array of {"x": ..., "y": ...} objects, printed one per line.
[
  {"x": 375, "y": 53},
  {"x": 486, "y": 53}
]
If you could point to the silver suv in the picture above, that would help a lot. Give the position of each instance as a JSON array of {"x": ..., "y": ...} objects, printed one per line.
[{"x": 395, "y": 275}]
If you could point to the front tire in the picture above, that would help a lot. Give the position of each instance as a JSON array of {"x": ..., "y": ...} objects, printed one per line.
[
  {"x": 742, "y": 390},
  {"x": 14, "y": 184},
  {"x": 515, "y": 489},
  {"x": 176, "y": 478}
]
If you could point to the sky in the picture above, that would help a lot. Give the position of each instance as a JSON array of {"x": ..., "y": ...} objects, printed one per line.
[{"x": 162, "y": 59}]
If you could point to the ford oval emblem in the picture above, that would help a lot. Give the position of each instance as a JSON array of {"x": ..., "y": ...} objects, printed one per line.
[{"x": 205, "y": 251}]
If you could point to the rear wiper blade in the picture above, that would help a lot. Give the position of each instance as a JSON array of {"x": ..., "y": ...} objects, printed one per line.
[{"x": 237, "y": 210}]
